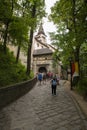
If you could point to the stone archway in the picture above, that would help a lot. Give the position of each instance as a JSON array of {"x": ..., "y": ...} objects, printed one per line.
[{"x": 42, "y": 69}]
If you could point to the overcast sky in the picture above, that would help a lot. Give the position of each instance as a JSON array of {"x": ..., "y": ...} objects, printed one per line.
[{"x": 48, "y": 26}]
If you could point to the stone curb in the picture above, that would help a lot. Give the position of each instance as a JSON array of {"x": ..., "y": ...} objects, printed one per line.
[{"x": 79, "y": 99}]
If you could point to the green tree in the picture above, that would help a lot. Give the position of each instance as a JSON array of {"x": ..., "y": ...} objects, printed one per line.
[
  {"x": 35, "y": 12},
  {"x": 18, "y": 31},
  {"x": 6, "y": 13},
  {"x": 20, "y": 19},
  {"x": 70, "y": 20}
]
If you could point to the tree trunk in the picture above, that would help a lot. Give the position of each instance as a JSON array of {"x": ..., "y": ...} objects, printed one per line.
[
  {"x": 18, "y": 53},
  {"x": 5, "y": 36},
  {"x": 76, "y": 37},
  {"x": 30, "y": 41},
  {"x": 29, "y": 52},
  {"x": 77, "y": 57},
  {"x": 6, "y": 30}
]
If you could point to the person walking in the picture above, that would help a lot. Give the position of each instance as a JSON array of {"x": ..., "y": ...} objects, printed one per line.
[
  {"x": 40, "y": 77},
  {"x": 44, "y": 78},
  {"x": 54, "y": 85}
]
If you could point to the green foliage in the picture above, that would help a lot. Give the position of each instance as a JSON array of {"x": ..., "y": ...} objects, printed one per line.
[
  {"x": 75, "y": 81},
  {"x": 6, "y": 10},
  {"x": 31, "y": 74},
  {"x": 10, "y": 72},
  {"x": 33, "y": 11},
  {"x": 71, "y": 22},
  {"x": 18, "y": 29},
  {"x": 83, "y": 59},
  {"x": 82, "y": 86},
  {"x": 70, "y": 18},
  {"x": 20, "y": 18}
]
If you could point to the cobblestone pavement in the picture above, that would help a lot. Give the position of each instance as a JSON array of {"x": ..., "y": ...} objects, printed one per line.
[{"x": 40, "y": 110}]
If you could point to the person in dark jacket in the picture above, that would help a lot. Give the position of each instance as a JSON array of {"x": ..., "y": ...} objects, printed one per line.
[{"x": 54, "y": 85}]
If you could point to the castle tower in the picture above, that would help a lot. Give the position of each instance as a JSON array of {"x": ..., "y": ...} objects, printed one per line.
[{"x": 41, "y": 36}]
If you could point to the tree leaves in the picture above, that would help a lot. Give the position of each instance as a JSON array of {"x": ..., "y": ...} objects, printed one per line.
[{"x": 70, "y": 18}]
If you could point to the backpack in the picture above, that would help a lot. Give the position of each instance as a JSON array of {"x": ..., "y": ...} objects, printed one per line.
[
  {"x": 40, "y": 76},
  {"x": 54, "y": 82}
]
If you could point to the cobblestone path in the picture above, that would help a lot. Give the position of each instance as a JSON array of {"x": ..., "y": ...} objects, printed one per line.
[{"x": 40, "y": 110}]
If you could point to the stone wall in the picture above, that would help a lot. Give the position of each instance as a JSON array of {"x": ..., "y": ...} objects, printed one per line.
[{"x": 11, "y": 93}]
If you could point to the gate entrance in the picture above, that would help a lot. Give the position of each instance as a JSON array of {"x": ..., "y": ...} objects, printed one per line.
[{"x": 42, "y": 69}]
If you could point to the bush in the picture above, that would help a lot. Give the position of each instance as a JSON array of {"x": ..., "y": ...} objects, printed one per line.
[
  {"x": 75, "y": 80},
  {"x": 82, "y": 86},
  {"x": 31, "y": 74},
  {"x": 10, "y": 71}
]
